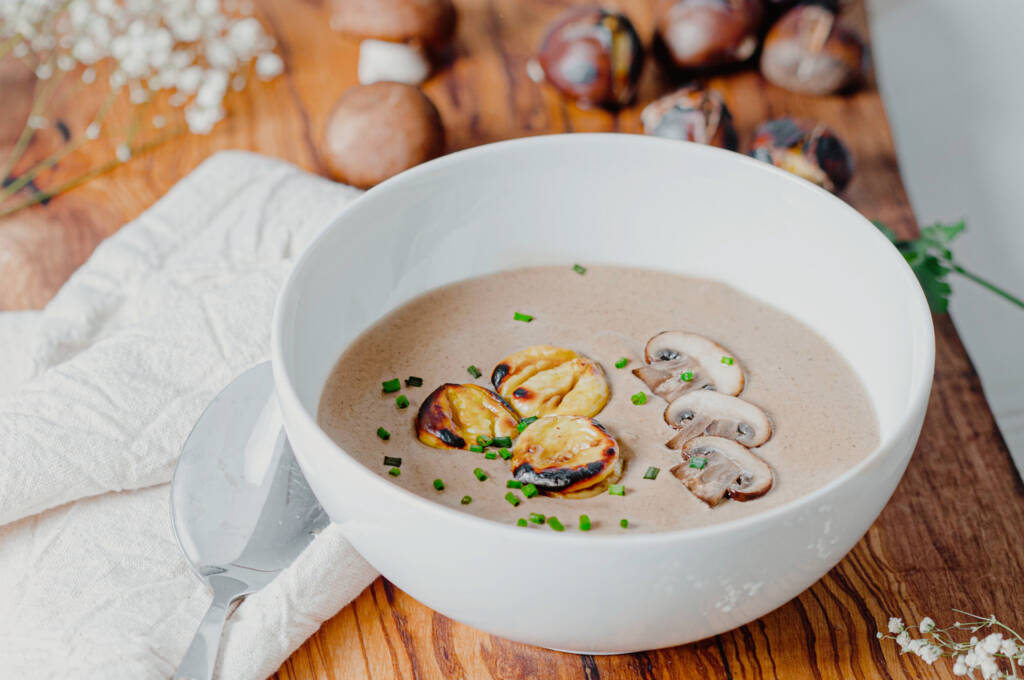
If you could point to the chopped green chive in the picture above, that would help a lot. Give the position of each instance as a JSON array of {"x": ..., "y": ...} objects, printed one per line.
[
  {"x": 513, "y": 484},
  {"x": 617, "y": 489},
  {"x": 490, "y": 455},
  {"x": 476, "y": 448},
  {"x": 520, "y": 522},
  {"x": 624, "y": 523},
  {"x": 621, "y": 363},
  {"x": 555, "y": 524},
  {"x": 394, "y": 472},
  {"x": 501, "y": 441},
  {"x": 474, "y": 371},
  {"x": 686, "y": 376},
  {"x": 519, "y": 316},
  {"x": 639, "y": 398},
  {"x": 652, "y": 473},
  {"x": 480, "y": 474},
  {"x": 401, "y": 401},
  {"x": 579, "y": 269},
  {"x": 530, "y": 491},
  {"x": 505, "y": 454},
  {"x": 584, "y": 523},
  {"x": 536, "y": 518},
  {"x": 383, "y": 434},
  {"x": 698, "y": 462},
  {"x": 392, "y": 385},
  {"x": 391, "y": 461},
  {"x": 466, "y": 500},
  {"x": 524, "y": 422},
  {"x": 413, "y": 381},
  {"x": 482, "y": 440},
  {"x": 727, "y": 361},
  {"x": 439, "y": 484},
  {"x": 512, "y": 498}
]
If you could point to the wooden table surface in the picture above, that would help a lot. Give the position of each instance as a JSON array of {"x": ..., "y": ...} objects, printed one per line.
[{"x": 950, "y": 537}]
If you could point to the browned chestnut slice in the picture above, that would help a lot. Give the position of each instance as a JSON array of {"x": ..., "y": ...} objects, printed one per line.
[
  {"x": 564, "y": 454},
  {"x": 453, "y": 416},
  {"x": 691, "y": 114}
]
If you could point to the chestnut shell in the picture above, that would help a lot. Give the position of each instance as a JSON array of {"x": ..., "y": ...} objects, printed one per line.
[
  {"x": 705, "y": 33},
  {"x": 593, "y": 56},
  {"x": 691, "y": 114},
  {"x": 809, "y": 149},
  {"x": 809, "y": 50}
]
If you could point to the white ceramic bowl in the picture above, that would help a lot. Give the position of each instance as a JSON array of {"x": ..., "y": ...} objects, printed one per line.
[{"x": 616, "y": 199}]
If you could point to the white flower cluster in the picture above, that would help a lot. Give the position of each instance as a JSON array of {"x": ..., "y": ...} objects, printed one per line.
[
  {"x": 190, "y": 48},
  {"x": 988, "y": 656}
]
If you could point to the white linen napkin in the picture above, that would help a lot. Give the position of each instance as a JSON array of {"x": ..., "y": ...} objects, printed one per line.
[{"x": 97, "y": 394}]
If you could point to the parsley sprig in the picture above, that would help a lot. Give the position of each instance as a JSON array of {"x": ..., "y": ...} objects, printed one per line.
[{"x": 931, "y": 260}]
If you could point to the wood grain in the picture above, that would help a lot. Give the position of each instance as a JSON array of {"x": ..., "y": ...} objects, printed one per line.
[{"x": 951, "y": 537}]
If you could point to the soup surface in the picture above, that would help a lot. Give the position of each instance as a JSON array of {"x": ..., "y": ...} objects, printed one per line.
[{"x": 822, "y": 422}]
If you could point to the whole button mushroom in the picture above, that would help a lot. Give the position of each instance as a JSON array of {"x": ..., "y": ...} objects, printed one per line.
[
  {"x": 376, "y": 131},
  {"x": 593, "y": 55},
  {"x": 809, "y": 51},
  {"x": 702, "y": 33},
  {"x": 805, "y": 148},
  {"x": 691, "y": 114},
  {"x": 397, "y": 36}
]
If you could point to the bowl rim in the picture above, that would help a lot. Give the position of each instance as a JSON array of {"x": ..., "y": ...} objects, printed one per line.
[{"x": 921, "y": 366}]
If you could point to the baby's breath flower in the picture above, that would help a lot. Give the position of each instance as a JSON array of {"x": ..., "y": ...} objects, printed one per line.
[
  {"x": 903, "y": 640},
  {"x": 930, "y": 653},
  {"x": 895, "y": 625},
  {"x": 93, "y": 131},
  {"x": 927, "y": 625},
  {"x": 37, "y": 122},
  {"x": 959, "y": 666},
  {"x": 992, "y": 643},
  {"x": 1009, "y": 647},
  {"x": 123, "y": 153},
  {"x": 269, "y": 66}
]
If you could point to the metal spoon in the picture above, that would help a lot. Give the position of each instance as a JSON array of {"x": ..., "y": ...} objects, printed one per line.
[{"x": 242, "y": 510}]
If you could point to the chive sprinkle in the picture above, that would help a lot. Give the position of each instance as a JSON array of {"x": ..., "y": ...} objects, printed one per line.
[
  {"x": 383, "y": 434},
  {"x": 490, "y": 455},
  {"x": 536, "y": 518},
  {"x": 392, "y": 385},
  {"x": 621, "y": 363},
  {"x": 525, "y": 422},
  {"x": 555, "y": 524},
  {"x": 480, "y": 474},
  {"x": 617, "y": 489},
  {"x": 474, "y": 371},
  {"x": 624, "y": 523},
  {"x": 686, "y": 376},
  {"x": 520, "y": 522},
  {"x": 512, "y": 498},
  {"x": 519, "y": 316},
  {"x": 513, "y": 484},
  {"x": 392, "y": 461},
  {"x": 584, "y": 523},
  {"x": 505, "y": 454},
  {"x": 439, "y": 484},
  {"x": 414, "y": 381},
  {"x": 466, "y": 500},
  {"x": 698, "y": 462},
  {"x": 394, "y": 472},
  {"x": 530, "y": 491},
  {"x": 579, "y": 269},
  {"x": 501, "y": 441},
  {"x": 652, "y": 473},
  {"x": 401, "y": 401},
  {"x": 639, "y": 399},
  {"x": 727, "y": 361},
  {"x": 476, "y": 448},
  {"x": 482, "y": 440}
]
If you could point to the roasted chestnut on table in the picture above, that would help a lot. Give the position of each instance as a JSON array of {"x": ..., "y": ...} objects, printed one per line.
[
  {"x": 805, "y": 148},
  {"x": 703, "y": 33},
  {"x": 808, "y": 50},
  {"x": 593, "y": 55},
  {"x": 691, "y": 114}
]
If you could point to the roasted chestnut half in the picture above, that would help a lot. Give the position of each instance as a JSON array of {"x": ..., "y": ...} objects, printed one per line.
[
  {"x": 809, "y": 51},
  {"x": 805, "y": 148},
  {"x": 593, "y": 55},
  {"x": 691, "y": 114},
  {"x": 703, "y": 33}
]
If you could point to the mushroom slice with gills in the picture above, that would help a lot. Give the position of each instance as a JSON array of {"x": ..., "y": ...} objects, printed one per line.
[
  {"x": 453, "y": 416},
  {"x": 543, "y": 380},
  {"x": 564, "y": 454},
  {"x": 716, "y": 467},
  {"x": 701, "y": 412},
  {"x": 671, "y": 354}
]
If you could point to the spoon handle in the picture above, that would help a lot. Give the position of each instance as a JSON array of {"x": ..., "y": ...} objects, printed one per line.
[{"x": 202, "y": 653}]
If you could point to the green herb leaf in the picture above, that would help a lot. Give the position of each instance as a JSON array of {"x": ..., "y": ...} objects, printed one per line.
[
  {"x": 513, "y": 484},
  {"x": 621, "y": 363},
  {"x": 529, "y": 490},
  {"x": 520, "y": 522},
  {"x": 624, "y": 523},
  {"x": 617, "y": 489},
  {"x": 383, "y": 434},
  {"x": 392, "y": 461},
  {"x": 579, "y": 269},
  {"x": 392, "y": 385},
  {"x": 413, "y": 381},
  {"x": 584, "y": 523},
  {"x": 519, "y": 316},
  {"x": 555, "y": 524},
  {"x": 524, "y": 422},
  {"x": 394, "y": 472},
  {"x": 698, "y": 462},
  {"x": 639, "y": 399},
  {"x": 439, "y": 484},
  {"x": 512, "y": 498},
  {"x": 401, "y": 401},
  {"x": 474, "y": 371},
  {"x": 651, "y": 473}
]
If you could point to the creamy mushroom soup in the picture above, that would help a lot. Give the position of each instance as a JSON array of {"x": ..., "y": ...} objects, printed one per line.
[{"x": 604, "y": 399}]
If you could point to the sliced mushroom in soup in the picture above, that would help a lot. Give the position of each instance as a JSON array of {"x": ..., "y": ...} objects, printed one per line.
[
  {"x": 716, "y": 467},
  {"x": 679, "y": 362},
  {"x": 703, "y": 412}
]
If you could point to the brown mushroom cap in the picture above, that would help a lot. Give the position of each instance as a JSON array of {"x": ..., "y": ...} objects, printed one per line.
[
  {"x": 376, "y": 131},
  {"x": 671, "y": 353},
  {"x": 431, "y": 22},
  {"x": 707, "y": 412},
  {"x": 727, "y": 469}
]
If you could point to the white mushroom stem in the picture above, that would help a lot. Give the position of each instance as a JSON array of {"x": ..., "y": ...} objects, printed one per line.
[
  {"x": 380, "y": 60},
  {"x": 706, "y": 412},
  {"x": 714, "y": 467}
]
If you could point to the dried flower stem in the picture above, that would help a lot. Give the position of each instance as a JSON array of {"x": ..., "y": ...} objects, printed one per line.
[
  {"x": 40, "y": 98},
  {"x": 995, "y": 656}
]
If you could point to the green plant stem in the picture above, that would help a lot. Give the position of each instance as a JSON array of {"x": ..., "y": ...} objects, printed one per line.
[
  {"x": 992, "y": 287},
  {"x": 42, "y": 95}
]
